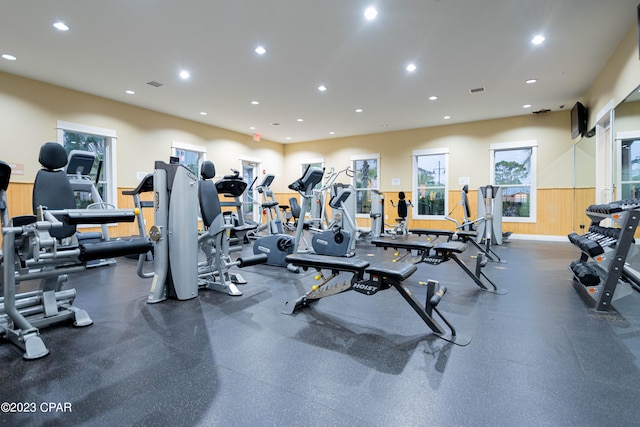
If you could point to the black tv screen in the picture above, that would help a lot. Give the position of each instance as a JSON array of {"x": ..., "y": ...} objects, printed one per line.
[{"x": 578, "y": 120}]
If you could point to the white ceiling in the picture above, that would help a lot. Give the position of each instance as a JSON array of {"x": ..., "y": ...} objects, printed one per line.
[{"x": 457, "y": 45}]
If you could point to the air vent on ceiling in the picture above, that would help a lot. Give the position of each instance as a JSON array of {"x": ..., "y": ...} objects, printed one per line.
[
  {"x": 542, "y": 111},
  {"x": 476, "y": 90},
  {"x": 155, "y": 83}
]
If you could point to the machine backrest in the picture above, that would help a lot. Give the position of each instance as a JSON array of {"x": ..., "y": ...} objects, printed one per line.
[
  {"x": 402, "y": 205},
  {"x": 295, "y": 207},
  {"x": 208, "y": 194},
  {"x": 51, "y": 187},
  {"x": 5, "y": 175}
]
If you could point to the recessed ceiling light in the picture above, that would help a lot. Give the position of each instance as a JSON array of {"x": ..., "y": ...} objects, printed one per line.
[
  {"x": 129, "y": 92},
  {"x": 9, "y": 57},
  {"x": 446, "y": 117},
  {"x": 261, "y": 50},
  {"x": 526, "y": 106},
  {"x": 370, "y": 13},
  {"x": 322, "y": 88},
  {"x": 255, "y": 102},
  {"x": 288, "y": 138},
  {"x": 537, "y": 39},
  {"x": 384, "y": 125},
  {"x": 433, "y": 98},
  {"x": 203, "y": 113},
  {"x": 184, "y": 74},
  {"x": 61, "y": 26},
  {"x": 411, "y": 68},
  {"x": 252, "y": 127},
  {"x": 299, "y": 120},
  {"x": 530, "y": 81},
  {"x": 332, "y": 133},
  {"x": 358, "y": 110}
]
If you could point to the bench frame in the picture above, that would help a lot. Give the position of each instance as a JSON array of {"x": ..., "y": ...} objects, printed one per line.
[{"x": 369, "y": 280}]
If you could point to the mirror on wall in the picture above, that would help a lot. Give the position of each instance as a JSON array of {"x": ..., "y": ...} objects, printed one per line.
[
  {"x": 625, "y": 161},
  {"x": 627, "y": 147}
]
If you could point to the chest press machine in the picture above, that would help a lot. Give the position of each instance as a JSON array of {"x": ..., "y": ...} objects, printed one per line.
[
  {"x": 368, "y": 280},
  {"x": 44, "y": 246}
]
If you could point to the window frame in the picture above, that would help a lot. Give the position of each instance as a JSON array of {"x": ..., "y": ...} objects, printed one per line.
[
  {"x": 110, "y": 164},
  {"x": 512, "y": 146},
  {"x": 414, "y": 182},
  {"x": 200, "y": 149},
  {"x": 354, "y": 159}
]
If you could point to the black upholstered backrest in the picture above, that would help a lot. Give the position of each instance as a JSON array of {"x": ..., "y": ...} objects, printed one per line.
[
  {"x": 51, "y": 187},
  {"x": 208, "y": 194},
  {"x": 402, "y": 205},
  {"x": 5, "y": 175},
  {"x": 295, "y": 207}
]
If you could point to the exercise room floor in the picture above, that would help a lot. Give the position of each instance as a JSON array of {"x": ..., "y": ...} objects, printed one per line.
[{"x": 539, "y": 356}]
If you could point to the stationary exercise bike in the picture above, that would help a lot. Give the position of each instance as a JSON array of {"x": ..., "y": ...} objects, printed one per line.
[{"x": 278, "y": 246}]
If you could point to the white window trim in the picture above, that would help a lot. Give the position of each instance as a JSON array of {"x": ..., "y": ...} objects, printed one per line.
[
  {"x": 533, "y": 144},
  {"x": 305, "y": 162},
  {"x": 191, "y": 147},
  {"x": 414, "y": 181},
  {"x": 176, "y": 145},
  {"x": 110, "y": 158},
  {"x": 355, "y": 157}
]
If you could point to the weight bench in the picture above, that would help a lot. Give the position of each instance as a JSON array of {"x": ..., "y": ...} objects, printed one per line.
[
  {"x": 429, "y": 233},
  {"x": 464, "y": 236},
  {"x": 443, "y": 252},
  {"x": 380, "y": 277}
]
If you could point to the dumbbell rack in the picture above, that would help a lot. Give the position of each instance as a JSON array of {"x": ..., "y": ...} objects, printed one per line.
[{"x": 608, "y": 248}]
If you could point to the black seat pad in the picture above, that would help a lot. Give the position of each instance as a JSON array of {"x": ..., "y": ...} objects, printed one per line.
[
  {"x": 394, "y": 270},
  {"x": 457, "y": 247},
  {"x": 422, "y": 231},
  {"x": 353, "y": 265},
  {"x": 467, "y": 234},
  {"x": 408, "y": 244}
]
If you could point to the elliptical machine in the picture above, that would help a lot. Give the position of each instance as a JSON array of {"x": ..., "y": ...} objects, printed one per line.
[{"x": 278, "y": 246}]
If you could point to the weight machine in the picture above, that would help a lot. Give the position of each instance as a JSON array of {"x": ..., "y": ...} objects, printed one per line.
[{"x": 45, "y": 247}]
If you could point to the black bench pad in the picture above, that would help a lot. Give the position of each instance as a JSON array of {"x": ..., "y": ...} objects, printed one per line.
[
  {"x": 353, "y": 265},
  {"x": 95, "y": 216},
  {"x": 114, "y": 248},
  {"x": 393, "y": 270},
  {"x": 457, "y": 247},
  {"x": 408, "y": 244},
  {"x": 422, "y": 231},
  {"x": 467, "y": 234}
]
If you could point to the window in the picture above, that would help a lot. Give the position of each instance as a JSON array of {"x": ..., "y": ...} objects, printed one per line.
[
  {"x": 189, "y": 155},
  {"x": 513, "y": 169},
  {"x": 102, "y": 142},
  {"x": 629, "y": 169},
  {"x": 430, "y": 183},
  {"x": 365, "y": 179}
]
